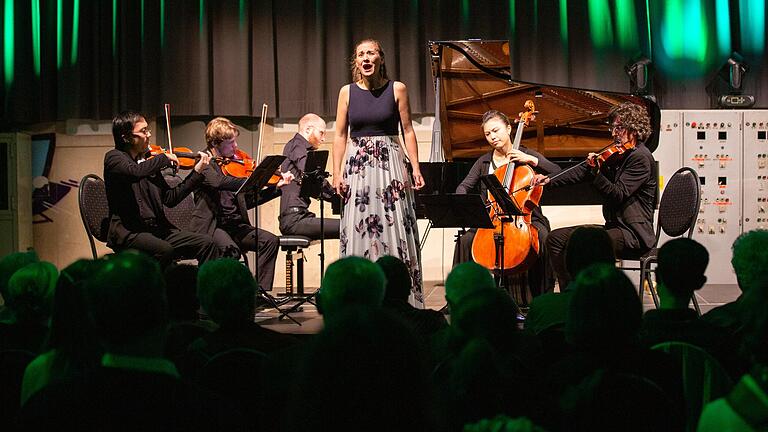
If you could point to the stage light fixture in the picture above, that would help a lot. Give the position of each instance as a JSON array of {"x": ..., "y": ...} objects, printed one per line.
[
  {"x": 728, "y": 85},
  {"x": 640, "y": 73}
]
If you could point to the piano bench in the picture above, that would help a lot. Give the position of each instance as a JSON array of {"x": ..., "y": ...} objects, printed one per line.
[{"x": 294, "y": 245}]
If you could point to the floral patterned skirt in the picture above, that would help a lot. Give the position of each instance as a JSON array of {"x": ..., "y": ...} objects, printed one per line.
[{"x": 378, "y": 217}]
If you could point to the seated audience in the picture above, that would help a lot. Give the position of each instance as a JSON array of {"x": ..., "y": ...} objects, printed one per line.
[
  {"x": 135, "y": 388},
  {"x": 425, "y": 322},
  {"x": 586, "y": 246},
  {"x": 30, "y": 299},
  {"x": 226, "y": 290},
  {"x": 492, "y": 360},
  {"x": 679, "y": 273},
  {"x": 72, "y": 349},
  {"x": 8, "y": 266},
  {"x": 364, "y": 371},
  {"x": 463, "y": 282},
  {"x": 613, "y": 401},
  {"x": 745, "y": 408},
  {"x": 749, "y": 261},
  {"x": 602, "y": 324},
  {"x": 503, "y": 423},
  {"x": 183, "y": 310},
  {"x": 350, "y": 281}
]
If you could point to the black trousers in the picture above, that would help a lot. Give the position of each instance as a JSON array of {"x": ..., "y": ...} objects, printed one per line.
[
  {"x": 540, "y": 275},
  {"x": 556, "y": 244},
  {"x": 306, "y": 224},
  {"x": 174, "y": 245},
  {"x": 235, "y": 239}
]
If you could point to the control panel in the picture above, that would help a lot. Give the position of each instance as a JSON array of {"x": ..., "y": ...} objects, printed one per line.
[
  {"x": 755, "y": 169},
  {"x": 712, "y": 145}
]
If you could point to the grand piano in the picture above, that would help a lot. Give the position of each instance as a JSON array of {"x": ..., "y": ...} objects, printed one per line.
[{"x": 474, "y": 76}]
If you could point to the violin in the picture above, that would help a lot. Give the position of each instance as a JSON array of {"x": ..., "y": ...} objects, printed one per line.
[
  {"x": 245, "y": 164},
  {"x": 241, "y": 165},
  {"x": 610, "y": 154},
  {"x": 187, "y": 158}
]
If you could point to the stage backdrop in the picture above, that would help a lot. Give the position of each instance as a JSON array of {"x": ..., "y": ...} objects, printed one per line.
[{"x": 65, "y": 59}]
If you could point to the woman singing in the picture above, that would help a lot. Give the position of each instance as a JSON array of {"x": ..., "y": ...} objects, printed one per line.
[{"x": 371, "y": 172}]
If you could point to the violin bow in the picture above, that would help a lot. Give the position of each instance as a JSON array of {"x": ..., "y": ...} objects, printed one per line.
[
  {"x": 167, "y": 108},
  {"x": 580, "y": 163},
  {"x": 262, "y": 125}
]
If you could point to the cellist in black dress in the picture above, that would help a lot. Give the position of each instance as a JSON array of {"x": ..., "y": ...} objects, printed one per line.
[{"x": 498, "y": 129}]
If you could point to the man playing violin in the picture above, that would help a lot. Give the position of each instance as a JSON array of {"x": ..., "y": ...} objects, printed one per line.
[
  {"x": 627, "y": 181},
  {"x": 498, "y": 129},
  {"x": 295, "y": 217},
  {"x": 223, "y": 215},
  {"x": 137, "y": 194}
]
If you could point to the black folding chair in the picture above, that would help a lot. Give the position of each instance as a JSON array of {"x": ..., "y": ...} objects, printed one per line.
[
  {"x": 678, "y": 211},
  {"x": 94, "y": 209}
]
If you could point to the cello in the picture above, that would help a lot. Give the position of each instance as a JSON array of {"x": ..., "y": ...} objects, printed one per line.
[{"x": 512, "y": 245}]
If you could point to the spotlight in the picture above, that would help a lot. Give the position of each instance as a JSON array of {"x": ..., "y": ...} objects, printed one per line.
[
  {"x": 731, "y": 95},
  {"x": 640, "y": 73}
]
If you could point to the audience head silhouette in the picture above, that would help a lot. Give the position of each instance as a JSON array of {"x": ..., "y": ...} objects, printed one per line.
[
  {"x": 182, "y": 300},
  {"x": 371, "y": 363},
  {"x": 487, "y": 314},
  {"x": 30, "y": 291},
  {"x": 128, "y": 304},
  {"x": 466, "y": 279},
  {"x": 398, "y": 286},
  {"x": 750, "y": 259},
  {"x": 71, "y": 328},
  {"x": 588, "y": 245},
  {"x": 605, "y": 312},
  {"x": 226, "y": 290},
  {"x": 681, "y": 266},
  {"x": 351, "y": 281},
  {"x": 613, "y": 401},
  {"x": 8, "y": 266}
]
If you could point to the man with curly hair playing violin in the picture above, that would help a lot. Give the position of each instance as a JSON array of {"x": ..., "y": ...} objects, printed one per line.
[{"x": 627, "y": 181}]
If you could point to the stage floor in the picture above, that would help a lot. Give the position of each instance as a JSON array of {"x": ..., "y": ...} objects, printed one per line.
[{"x": 710, "y": 296}]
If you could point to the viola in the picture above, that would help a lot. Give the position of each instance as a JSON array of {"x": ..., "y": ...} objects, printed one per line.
[{"x": 521, "y": 237}]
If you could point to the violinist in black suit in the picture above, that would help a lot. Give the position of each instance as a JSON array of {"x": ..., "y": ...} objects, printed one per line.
[
  {"x": 137, "y": 192},
  {"x": 223, "y": 215},
  {"x": 628, "y": 183}
]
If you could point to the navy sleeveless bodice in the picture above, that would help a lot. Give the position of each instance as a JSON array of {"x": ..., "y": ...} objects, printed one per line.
[{"x": 373, "y": 112}]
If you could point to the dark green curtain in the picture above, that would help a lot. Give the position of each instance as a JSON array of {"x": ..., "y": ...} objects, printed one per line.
[{"x": 227, "y": 57}]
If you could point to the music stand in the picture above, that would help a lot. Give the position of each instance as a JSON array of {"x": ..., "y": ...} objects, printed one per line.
[
  {"x": 456, "y": 211},
  {"x": 261, "y": 174},
  {"x": 509, "y": 209},
  {"x": 312, "y": 181},
  {"x": 500, "y": 194},
  {"x": 255, "y": 182}
]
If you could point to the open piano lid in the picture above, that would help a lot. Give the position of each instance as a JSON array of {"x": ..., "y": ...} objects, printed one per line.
[{"x": 474, "y": 77}]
